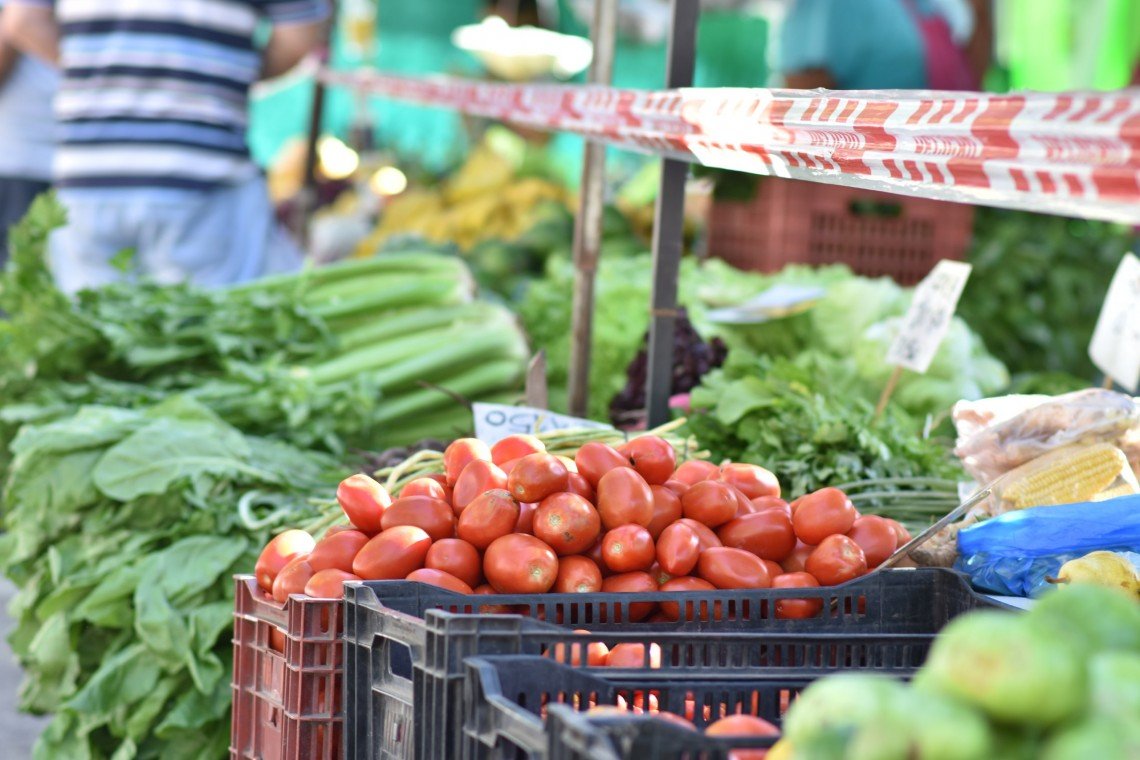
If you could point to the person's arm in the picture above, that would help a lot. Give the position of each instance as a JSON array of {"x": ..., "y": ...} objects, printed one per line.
[
  {"x": 299, "y": 28},
  {"x": 288, "y": 46},
  {"x": 32, "y": 29},
  {"x": 8, "y": 57}
]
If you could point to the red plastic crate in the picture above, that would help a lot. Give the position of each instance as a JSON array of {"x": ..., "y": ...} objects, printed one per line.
[
  {"x": 797, "y": 222},
  {"x": 287, "y": 687}
]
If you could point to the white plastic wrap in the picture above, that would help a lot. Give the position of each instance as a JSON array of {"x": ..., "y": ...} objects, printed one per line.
[{"x": 996, "y": 435}]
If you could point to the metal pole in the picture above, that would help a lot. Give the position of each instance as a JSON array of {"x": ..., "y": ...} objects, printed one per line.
[
  {"x": 307, "y": 202},
  {"x": 668, "y": 226},
  {"x": 588, "y": 224}
]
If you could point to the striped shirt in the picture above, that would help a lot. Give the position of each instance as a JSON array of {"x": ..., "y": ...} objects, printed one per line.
[{"x": 155, "y": 93}]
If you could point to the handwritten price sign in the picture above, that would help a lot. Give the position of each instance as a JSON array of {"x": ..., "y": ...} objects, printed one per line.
[
  {"x": 493, "y": 422},
  {"x": 1115, "y": 347},
  {"x": 928, "y": 319}
]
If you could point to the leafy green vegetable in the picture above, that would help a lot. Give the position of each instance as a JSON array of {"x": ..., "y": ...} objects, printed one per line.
[
  {"x": 797, "y": 418},
  {"x": 305, "y": 357},
  {"x": 1038, "y": 285},
  {"x": 123, "y": 533}
]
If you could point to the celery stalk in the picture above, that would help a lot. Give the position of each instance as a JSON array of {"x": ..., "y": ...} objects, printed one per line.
[
  {"x": 411, "y": 294},
  {"x": 485, "y": 378}
]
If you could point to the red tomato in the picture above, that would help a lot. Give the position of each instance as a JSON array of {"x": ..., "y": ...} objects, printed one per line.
[
  {"x": 836, "y": 560},
  {"x": 581, "y": 486},
  {"x": 704, "y": 533},
  {"x": 595, "y": 459},
  {"x": 795, "y": 562},
  {"x": 742, "y": 725},
  {"x": 666, "y": 510},
  {"x": 624, "y": 498},
  {"x": 693, "y": 610},
  {"x": 774, "y": 568},
  {"x": 710, "y": 502},
  {"x": 764, "y": 503},
  {"x": 459, "y": 453},
  {"x": 875, "y": 536},
  {"x": 456, "y": 557},
  {"x": 752, "y": 481},
  {"x": 744, "y": 505},
  {"x": 506, "y": 467},
  {"x": 627, "y": 548},
  {"x": 636, "y": 581},
  {"x": 441, "y": 579},
  {"x": 277, "y": 639},
  {"x": 594, "y": 553},
  {"x": 632, "y": 655},
  {"x": 340, "y": 529},
  {"x": 328, "y": 583},
  {"x": 525, "y": 523},
  {"x": 768, "y": 535},
  {"x": 427, "y": 487},
  {"x": 292, "y": 578},
  {"x": 393, "y": 554},
  {"x": 658, "y": 574},
  {"x": 694, "y": 471},
  {"x": 795, "y": 609},
  {"x": 902, "y": 534},
  {"x": 596, "y": 652},
  {"x": 363, "y": 501},
  {"x": 492, "y": 609},
  {"x": 433, "y": 515},
  {"x": 337, "y": 551},
  {"x": 520, "y": 564},
  {"x": 537, "y": 476},
  {"x": 732, "y": 568},
  {"x": 824, "y": 513},
  {"x": 577, "y": 575},
  {"x": 477, "y": 478},
  {"x": 279, "y": 552},
  {"x": 677, "y": 487},
  {"x": 678, "y": 549},
  {"x": 491, "y": 516},
  {"x": 567, "y": 523},
  {"x": 516, "y": 446},
  {"x": 653, "y": 458}
]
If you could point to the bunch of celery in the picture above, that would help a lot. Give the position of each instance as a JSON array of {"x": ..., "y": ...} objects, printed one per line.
[{"x": 368, "y": 353}]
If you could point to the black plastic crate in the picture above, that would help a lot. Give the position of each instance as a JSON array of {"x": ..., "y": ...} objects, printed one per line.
[
  {"x": 506, "y": 699},
  {"x": 394, "y": 629}
]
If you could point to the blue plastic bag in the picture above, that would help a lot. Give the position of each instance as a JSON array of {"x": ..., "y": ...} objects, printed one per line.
[{"x": 1014, "y": 553}]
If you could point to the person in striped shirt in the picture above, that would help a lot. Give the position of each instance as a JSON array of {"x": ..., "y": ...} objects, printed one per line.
[{"x": 152, "y": 112}]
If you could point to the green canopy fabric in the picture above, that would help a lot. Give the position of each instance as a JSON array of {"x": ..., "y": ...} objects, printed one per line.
[
  {"x": 415, "y": 39},
  {"x": 1055, "y": 45}
]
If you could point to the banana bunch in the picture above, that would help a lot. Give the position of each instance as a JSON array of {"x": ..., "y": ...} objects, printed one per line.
[{"x": 483, "y": 200}]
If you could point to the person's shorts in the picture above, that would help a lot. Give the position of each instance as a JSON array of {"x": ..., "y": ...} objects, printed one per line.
[{"x": 212, "y": 238}]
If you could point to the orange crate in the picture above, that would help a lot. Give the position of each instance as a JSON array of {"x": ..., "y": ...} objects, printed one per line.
[
  {"x": 287, "y": 688},
  {"x": 797, "y": 222}
]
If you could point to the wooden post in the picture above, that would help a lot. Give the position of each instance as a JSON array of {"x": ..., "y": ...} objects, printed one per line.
[
  {"x": 888, "y": 391},
  {"x": 588, "y": 223}
]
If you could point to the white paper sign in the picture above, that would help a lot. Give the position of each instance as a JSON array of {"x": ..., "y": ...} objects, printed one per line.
[
  {"x": 1115, "y": 347},
  {"x": 493, "y": 422},
  {"x": 928, "y": 319}
]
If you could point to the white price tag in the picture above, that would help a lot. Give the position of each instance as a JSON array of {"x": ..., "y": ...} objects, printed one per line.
[
  {"x": 928, "y": 319},
  {"x": 1115, "y": 347},
  {"x": 493, "y": 422}
]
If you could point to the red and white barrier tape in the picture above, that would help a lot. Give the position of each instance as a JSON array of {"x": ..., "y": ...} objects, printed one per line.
[{"x": 1074, "y": 153}]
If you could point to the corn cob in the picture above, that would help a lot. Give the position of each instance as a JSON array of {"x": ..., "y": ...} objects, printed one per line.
[{"x": 1071, "y": 474}]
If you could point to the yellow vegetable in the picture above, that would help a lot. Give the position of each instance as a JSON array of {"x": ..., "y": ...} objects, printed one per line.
[{"x": 1076, "y": 473}]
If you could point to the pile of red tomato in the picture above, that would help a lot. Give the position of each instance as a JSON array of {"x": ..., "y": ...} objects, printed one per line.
[{"x": 514, "y": 519}]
